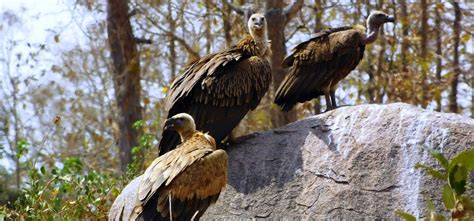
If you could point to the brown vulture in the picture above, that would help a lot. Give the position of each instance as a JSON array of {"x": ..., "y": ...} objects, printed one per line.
[
  {"x": 190, "y": 178},
  {"x": 318, "y": 64},
  {"x": 219, "y": 89}
]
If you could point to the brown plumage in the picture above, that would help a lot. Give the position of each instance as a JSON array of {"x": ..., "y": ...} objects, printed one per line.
[
  {"x": 318, "y": 64},
  {"x": 193, "y": 174},
  {"x": 219, "y": 89}
]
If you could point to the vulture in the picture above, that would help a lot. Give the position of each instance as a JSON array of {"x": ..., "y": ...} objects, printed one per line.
[
  {"x": 219, "y": 89},
  {"x": 181, "y": 184},
  {"x": 318, "y": 64}
]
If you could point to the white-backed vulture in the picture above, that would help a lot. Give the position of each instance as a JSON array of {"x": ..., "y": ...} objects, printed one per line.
[
  {"x": 219, "y": 89},
  {"x": 318, "y": 64},
  {"x": 191, "y": 177}
]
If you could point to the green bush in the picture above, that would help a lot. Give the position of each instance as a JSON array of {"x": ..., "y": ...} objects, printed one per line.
[
  {"x": 455, "y": 173},
  {"x": 67, "y": 193},
  {"x": 70, "y": 191}
]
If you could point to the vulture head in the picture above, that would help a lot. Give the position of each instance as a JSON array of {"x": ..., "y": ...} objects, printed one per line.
[
  {"x": 182, "y": 123},
  {"x": 258, "y": 30},
  {"x": 374, "y": 21},
  {"x": 257, "y": 25}
]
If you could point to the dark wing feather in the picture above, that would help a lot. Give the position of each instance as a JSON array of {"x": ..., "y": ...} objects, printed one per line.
[
  {"x": 217, "y": 91},
  {"x": 318, "y": 63},
  {"x": 195, "y": 173}
]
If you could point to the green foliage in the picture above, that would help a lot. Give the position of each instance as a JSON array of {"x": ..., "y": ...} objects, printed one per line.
[
  {"x": 456, "y": 174},
  {"x": 405, "y": 215},
  {"x": 21, "y": 147},
  {"x": 66, "y": 192},
  {"x": 145, "y": 143}
]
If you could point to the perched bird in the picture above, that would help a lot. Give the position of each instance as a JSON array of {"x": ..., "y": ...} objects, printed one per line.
[
  {"x": 219, "y": 89},
  {"x": 318, "y": 64},
  {"x": 180, "y": 184}
]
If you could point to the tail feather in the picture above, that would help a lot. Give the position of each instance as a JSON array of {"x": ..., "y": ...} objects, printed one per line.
[{"x": 285, "y": 95}]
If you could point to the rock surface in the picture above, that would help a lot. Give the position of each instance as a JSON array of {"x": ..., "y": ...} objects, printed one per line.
[{"x": 350, "y": 163}]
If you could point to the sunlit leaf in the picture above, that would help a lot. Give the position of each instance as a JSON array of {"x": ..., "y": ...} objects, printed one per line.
[
  {"x": 433, "y": 172},
  {"x": 56, "y": 38},
  {"x": 441, "y": 159},
  {"x": 465, "y": 38},
  {"x": 457, "y": 177},
  {"x": 406, "y": 216},
  {"x": 431, "y": 207},
  {"x": 164, "y": 89},
  {"x": 466, "y": 159},
  {"x": 448, "y": 197}
]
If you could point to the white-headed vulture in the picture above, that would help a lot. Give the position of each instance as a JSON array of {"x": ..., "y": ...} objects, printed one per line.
[
  {"x": 318, "y": 64},
  {"x": 185, "y": 180},
  {"x": 219, "y": 89}
]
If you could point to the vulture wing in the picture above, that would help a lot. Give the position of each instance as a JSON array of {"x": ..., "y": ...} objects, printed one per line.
[
  {"x": 194, "y": 174},
  {"x": 319, "y": 63},
  {"x": 123, "y": 205},
  {"x": 217, "y": 91}
]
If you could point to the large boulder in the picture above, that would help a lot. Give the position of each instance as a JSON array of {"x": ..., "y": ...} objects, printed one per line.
[{"x": 350, "y": 163}]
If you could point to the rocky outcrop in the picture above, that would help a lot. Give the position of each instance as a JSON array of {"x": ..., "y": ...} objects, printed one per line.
[{"x": 350, "y": 163}]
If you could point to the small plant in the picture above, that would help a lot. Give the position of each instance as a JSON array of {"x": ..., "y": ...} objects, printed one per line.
[{"x": 455, "y": 173}]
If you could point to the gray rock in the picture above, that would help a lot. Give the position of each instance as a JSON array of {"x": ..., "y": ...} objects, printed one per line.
[{"x": 351, "y": 163}]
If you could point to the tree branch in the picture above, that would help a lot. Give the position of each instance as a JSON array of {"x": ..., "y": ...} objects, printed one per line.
[
  {"x": 183, "y": 43},
  {"x": 291, "y": 10},
  {"x": 143, "y": 40},
  {"x": 235, "y": 8}
]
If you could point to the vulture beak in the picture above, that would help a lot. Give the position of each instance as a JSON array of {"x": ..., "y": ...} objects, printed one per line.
[
  {"x": 170, "y": 124},
  {"x": 258, "y": 25},
  {"x": 390, "y": 19}
]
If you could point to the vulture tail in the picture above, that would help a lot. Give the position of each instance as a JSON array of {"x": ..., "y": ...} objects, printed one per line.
[{"x": 286, "y": 97}]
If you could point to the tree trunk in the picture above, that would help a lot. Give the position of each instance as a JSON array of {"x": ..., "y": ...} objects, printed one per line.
[
  {"x": 423, "y": 52},
  {"x": 208, "y": 26},
  {"x": 226, "y": 11},
  {"x": 126, "y": 76},
  {"x": 277, "y": 18},
  {"x": 438, "y": 57},
  {"x": 453, "y": 104},
  {"x": 318, "y": 26},
  {"x": 172, "y": 44},
  {"x": 404, "y": 21}
]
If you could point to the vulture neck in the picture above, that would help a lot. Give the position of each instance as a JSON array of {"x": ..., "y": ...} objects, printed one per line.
[
  {"x": 261, "y": 40},
  {"x": 372, "y": 33},
  {"x": 186, "y": 134}
]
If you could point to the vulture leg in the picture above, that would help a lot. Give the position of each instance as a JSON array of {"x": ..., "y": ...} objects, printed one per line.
[
  {"x": 328, "y": 101},
  {"x": 333, "y": 98}
]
